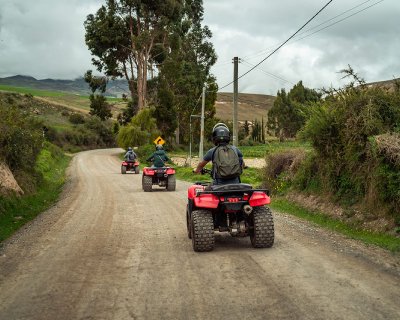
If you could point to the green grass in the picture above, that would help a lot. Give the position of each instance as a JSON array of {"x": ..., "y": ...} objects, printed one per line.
[
  {"x": 382, "y": 240},
  {"x": 64, "y": 98},
  {"x": 16, "y": 211},
  {"x": 250, "y": 175},
  {"x": 260, "y": 151},
  {"x": 34, "y": 92}
]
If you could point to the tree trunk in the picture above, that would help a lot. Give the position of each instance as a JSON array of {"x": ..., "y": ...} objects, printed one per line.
[{"x": 177, "y": 133}]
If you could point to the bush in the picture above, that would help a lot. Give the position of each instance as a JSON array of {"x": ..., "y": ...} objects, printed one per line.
[
  {"x": 145, "y": 151},
  {"x": 76, "y": 118},
  {"x": 281, "y": 168},
  {"x": 140, "y": 131},
  {"x": 353, "y": 132},
  {"x": 21, "y": 137}
]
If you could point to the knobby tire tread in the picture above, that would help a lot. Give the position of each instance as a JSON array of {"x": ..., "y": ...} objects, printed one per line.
[
  {"x": 202, "y": 231},
  {"x": 263, "y": 233}
]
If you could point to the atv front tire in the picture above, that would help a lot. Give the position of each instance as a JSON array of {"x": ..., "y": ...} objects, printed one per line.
[
  {"x": 202, "y": 230},
  {"x": 262, "y": 235},
  {"x": 147, "y": 183},
  {"x": 171, "y": 183}
]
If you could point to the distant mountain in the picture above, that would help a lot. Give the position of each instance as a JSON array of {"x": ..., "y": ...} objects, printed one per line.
[{"x": 115, "y": 88}]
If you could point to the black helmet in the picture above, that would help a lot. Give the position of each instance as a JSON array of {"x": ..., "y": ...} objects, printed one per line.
[
  {"x": 221, "y": 134},
  {"x": 159, "y": 147},
  {"x": 130, "y": 149}
]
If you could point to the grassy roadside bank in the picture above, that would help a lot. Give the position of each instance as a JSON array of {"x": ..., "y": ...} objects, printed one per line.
[
  {"x": 253, "y": 176},
  {"x": 16, "y": 211}
]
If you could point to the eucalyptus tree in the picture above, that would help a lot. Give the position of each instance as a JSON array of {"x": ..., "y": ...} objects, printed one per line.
[
  {"x": 123, "y": 37},
  {"x": 184, "y": 72}
]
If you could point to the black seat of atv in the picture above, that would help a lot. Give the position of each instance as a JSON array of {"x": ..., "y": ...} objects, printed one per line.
[{"x": 231, "y": 187}]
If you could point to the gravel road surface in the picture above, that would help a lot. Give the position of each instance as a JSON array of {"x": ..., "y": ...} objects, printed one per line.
[{"x": 108, "y": 250}]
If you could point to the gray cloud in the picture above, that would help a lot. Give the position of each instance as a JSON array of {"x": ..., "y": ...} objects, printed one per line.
[
  {"x": 45, "y": 39},
  {"x": 366, "y": 41}
]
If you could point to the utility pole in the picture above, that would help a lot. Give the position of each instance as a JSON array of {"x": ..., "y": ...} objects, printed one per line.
[
  {"x": 203, "y": 103},
  {"x": 235, "y": 101}
]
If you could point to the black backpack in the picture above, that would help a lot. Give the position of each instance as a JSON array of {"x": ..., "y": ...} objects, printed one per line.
[{"x": 226, "y": 164}]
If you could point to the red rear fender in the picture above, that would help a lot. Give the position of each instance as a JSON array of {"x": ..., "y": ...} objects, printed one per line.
[
  {"x": 209, "y": 201},
  {"x": 193, "y": 189},
  {"x": 170, "y": 171},
  {"x": 258, "y": 199},
  {"x": 148, "y": 171}
]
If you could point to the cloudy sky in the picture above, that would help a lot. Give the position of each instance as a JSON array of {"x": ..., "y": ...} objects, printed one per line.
[{"x": 45, "y": 39}]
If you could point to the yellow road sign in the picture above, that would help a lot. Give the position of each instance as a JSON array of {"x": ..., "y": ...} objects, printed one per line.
[{"x": 159, "y": 140}]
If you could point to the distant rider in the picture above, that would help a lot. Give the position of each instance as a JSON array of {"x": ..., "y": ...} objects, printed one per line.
[
  {"x": 159, "y": 157},
  {"x": 227, "y": 160},
  {"x": 130, "y": 155}
]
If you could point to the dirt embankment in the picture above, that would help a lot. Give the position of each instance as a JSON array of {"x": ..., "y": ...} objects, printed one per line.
[{"x": 8, "y": 184}]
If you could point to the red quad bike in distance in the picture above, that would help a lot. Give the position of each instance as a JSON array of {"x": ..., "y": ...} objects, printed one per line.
[
  {"x": 163, "y": 177},
  {"x": 235, "y": 208},
  {"x": 132, "y": 166}
]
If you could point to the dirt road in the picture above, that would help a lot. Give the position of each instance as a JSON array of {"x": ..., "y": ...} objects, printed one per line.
[{"x": 108, "y": 250}]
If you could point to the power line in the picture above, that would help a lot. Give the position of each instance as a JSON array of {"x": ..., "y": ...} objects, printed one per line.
[
  {"x": 268, "y": 73},
  {"x": 336, "y": 22},
  {"x": 247, "y": 72},
  {"x": 258, "y": 53}
]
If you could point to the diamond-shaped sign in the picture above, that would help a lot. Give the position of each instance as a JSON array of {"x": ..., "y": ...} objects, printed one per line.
[{"x": 159, "y": 140}]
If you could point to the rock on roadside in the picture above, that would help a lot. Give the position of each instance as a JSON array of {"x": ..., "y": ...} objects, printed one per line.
[{"x": 8, "y": 184}]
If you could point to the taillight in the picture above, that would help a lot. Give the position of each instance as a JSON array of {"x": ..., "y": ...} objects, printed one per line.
[{"x": 259, "y": 199}]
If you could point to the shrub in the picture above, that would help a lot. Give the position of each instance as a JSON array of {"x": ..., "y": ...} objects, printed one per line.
[
  {"x": 281, "y": 168},
  {"x": 21, "y": 137},
  {"x": 76, "y": 118},
  {"x": 353, "y": 131},
  {"x": 140, "y": 131}
]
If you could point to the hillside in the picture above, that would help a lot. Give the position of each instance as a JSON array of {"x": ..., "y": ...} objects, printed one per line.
[
  {"x": 78, "y": 86},
  {"x": 73, "y": 94},
  {"x": 250, "y": 106}
]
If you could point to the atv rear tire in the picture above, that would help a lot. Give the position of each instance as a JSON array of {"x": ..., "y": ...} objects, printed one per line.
[
  {"x": 123, "y": 169},
  {"x": 137, "y": 169},
  {"x": 202, "y": 230},
  {"x": 171, "y": 183},
  {"x": 147, "y": 183},
  {"x": 262, "y": 235}
]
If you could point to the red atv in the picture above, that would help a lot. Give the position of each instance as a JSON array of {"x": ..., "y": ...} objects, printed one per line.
[
  {"x": 130, "y": 166},
  {"x": 235, "y": 208},
  {"x": 163, "y": 177}
]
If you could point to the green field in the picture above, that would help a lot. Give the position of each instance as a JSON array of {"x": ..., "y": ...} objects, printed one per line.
[
  {"x": 262, "y": 150},
  {"x": 65, "y": 99}
]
